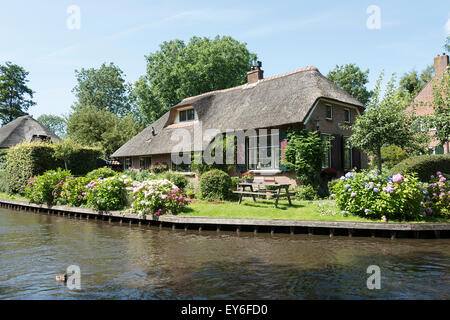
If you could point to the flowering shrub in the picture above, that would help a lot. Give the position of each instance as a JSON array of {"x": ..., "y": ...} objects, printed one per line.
[
  {"x": 107, "y": 194},
  {"x": 74, "y": 192},
  {"x": 158, "y": 167},
  {"x": 46, "y": 188},
  {"x": 157, "y": 197},
  {"x": 367, "y": 194},
  {"x": 248, "y": 175},
  {"x": 436, "y": 196},
  {"x": 102, "y": 173}
]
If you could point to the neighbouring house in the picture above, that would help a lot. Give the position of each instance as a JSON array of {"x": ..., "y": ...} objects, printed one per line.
[
  {"x": 423, "y": 102},
  {"x": 24, "y": 129},
  {"x": 301, "y": 98}
]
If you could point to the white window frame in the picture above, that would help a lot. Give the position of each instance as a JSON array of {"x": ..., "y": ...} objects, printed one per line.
[
  {"x": 349, "y": 116},
  {"x": 326, "y": 111},
  {"x": 274, "y": 160}
]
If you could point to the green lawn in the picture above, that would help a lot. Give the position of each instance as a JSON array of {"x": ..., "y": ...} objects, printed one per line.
[
  {"x": 264, "y": 209},
  {"x": 4, "y": 195}
]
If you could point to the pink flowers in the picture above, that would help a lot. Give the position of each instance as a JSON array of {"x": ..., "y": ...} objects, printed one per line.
[{"x": 398, "y": 178}]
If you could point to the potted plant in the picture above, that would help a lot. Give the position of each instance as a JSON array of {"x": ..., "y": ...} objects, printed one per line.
[{"x": 248, "y": 176}]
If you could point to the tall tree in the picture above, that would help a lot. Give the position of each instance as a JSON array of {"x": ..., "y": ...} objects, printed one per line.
[
  {"x": 15, "y": 96},
  {"x": 384, "y": 123},
  {"x": 412, "y": 82},
  {"x": 353, "y": 80},
  {"x": 178, "y": 70},
  {"x": 56, "y": 124},
  {"x": 101, "y": 128},
  {"x": 104, "y": 88}
]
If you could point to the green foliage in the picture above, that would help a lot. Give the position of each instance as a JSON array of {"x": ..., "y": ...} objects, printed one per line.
[
  {"x": 392, "y": 155},
  {"x": 178, "y": 70},
  {"x": 447, "y": 44},
  {"x": 56, "y": 124},
  {"x": 4, "y": 186},
  {"x": 215, "y": 185},
  {"x": 353, "y": 80},
  {"x": 101, "y": 128},
  {"x": 107, "y": 194},
  {"x": 27, "y": 160},
  {"x": 437, "y": 196},
  {"x": 14, "y": 92},
  {"x": 384, "y": 123},
  {"x": 157, "y": 197},
  {"x": 411, "y": 82},
  {"x": 424, "y": 166},
  {"x": 74, "y": 192},
  {"x": 303, "y": 154},
  {"x": 397, "y": 197},
  {"x": 234, "y": 182},
  {"x": 440, "y": 119},
  {"x": 46, "y": 188},
  {"x": 306, "y": 192},
  {"x": 104, "y": 88},
  {"x": 141, "y": 175},
  {"x": 100, "y": 173},
  {"x": 177, "y": 179}
]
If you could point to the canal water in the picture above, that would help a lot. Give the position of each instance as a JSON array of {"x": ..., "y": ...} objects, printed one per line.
[{"x": 133, "y": 262}]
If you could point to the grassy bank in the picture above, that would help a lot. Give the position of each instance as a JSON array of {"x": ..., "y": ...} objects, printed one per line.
[{"x": 300, "y": 210}]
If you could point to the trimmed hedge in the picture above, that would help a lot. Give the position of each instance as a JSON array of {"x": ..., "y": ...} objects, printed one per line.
[
  {"x": 27, "y": 160},
  {"x": 425, "y": 166},
  {"x": 215, "y": 185}
]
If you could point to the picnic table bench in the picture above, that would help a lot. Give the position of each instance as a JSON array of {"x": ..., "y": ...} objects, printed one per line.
[{"x": 275, "y": 191}]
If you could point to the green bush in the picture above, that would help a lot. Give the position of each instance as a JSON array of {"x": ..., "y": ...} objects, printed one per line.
[
  {"x": 215, "y": 185},
  {"x": 107, "y": 194},
  {"x": 46, "y": 188},
  {"x": 306, "y": 192},
  {"x": 392, "y": 155},
  {"x": 398, "y": 197},
  {"x": 101, "y": 173},
  {"x": 74, "y": 192},
  {"x": 3, "y": 181},
  {"x": 178, "y": 179},
  {"x": 234, "y": 182},
  {"x": 425, "y": 166},
  {"x": 27, "y": 160}
]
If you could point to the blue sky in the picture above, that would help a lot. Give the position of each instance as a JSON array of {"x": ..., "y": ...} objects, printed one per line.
[{"x": 286, "y": 35}]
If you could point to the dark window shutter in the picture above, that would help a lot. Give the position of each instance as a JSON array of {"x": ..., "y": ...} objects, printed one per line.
[
  {"x": 336, "y": 151},
  {"x": 283, "y": 144},
  {"x": 356, "y": 157}
]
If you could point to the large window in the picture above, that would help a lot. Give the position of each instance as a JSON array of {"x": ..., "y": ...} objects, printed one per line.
[
  {"x": 145, "y": 162},
  {"x": 127, "y": 163},
  {"x": 326, "y": 161},
  {"x": 263, "y": 152},
  {"x": 187, "y": 115},
  {"x": 347, "y": 154}
]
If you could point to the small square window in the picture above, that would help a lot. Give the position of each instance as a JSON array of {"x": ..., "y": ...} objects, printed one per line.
[
  {"x": 187, "y": 115},
  {"x": 329, "y": 112},
  {"x": 183, "y": 115},
  {"x": 347, "y": 115}
]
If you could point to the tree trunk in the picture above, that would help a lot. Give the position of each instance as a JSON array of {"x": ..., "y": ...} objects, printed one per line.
[
  {"x": 379, "y": 159},
  {"x": 65, "y": 164}
]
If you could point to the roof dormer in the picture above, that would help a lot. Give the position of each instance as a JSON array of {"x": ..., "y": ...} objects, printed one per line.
[{"x": 182, "y": 116}]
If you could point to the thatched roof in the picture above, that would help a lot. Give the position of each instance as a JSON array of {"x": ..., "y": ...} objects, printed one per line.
[
  {"x": 271, "y": 102},
  {"x": 23, "y": 129}
]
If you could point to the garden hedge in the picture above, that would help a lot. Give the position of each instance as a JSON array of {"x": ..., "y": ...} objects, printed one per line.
[
  {"x": 215, "y": 185},
  {"x": 27, "y": 160},
  {"x": 425, "y": 166}
]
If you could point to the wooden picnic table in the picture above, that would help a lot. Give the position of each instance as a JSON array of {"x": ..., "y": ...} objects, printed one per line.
[{"x": 276, "y": 191}]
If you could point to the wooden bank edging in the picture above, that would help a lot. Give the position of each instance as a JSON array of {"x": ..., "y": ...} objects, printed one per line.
[{"x": 331, "y": 228}]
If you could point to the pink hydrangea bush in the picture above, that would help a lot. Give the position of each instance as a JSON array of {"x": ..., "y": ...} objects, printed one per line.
[
  {"x": 436, "y": 196},
  {"x": 157, "y": 197}
]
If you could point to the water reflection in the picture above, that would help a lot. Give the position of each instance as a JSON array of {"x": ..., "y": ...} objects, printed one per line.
[{"x": 121, "y": 262}]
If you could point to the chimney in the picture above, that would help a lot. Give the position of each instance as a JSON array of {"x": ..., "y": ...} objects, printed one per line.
[
  {"x": 256, "y": 73},
  {"x": 440, "y": 64}
]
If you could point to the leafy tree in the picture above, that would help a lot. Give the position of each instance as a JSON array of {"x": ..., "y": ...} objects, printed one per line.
[
  {"x": 104, "y": 88},
  {"x": 447, "y": 44},
  {"x": 96, "y": 127},
  {"x": 353, "y": 80},
  {"x": 15, "y": 96},
  {"x": 440, "y": 119},
  {"x": 303, "y": 154},
  {"x": 56, "y": 124},
  {"x": 411, "y": 82},
  {"x": 180, "y": 70},
  {"x": 64, "y": 149},
  {"x": 384, "y": 123}
]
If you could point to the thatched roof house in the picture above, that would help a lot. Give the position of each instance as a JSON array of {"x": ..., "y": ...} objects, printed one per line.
[
  {"x": 24, "y": 129},
  {"x": 301, "y": 97}
]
